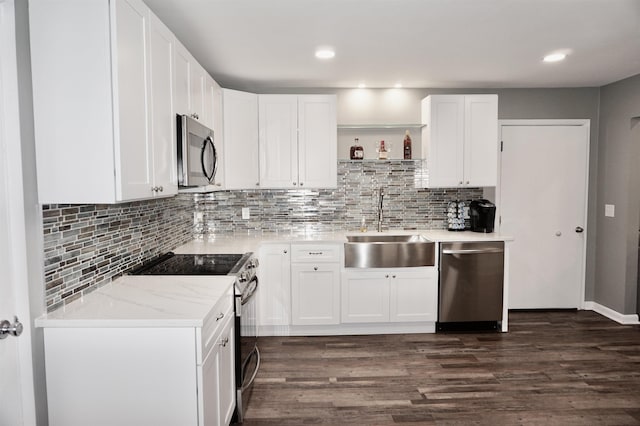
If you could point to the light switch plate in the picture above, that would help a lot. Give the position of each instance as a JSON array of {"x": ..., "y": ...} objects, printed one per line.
[
  {"x": 609, "y": 210},
  {"x": 246, "y": 213}
]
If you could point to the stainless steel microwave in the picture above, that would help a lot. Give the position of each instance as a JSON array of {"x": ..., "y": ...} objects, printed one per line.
[{"x": 197, "y": 153}]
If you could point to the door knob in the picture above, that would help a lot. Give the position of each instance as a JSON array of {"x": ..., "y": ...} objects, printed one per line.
[
  {"x": 579, "y": 229},
  {"x": 7, "y": 328},
  {"x": 558, "y": 233}
]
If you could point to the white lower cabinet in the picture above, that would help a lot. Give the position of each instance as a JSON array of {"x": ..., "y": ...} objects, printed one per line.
[
  {"x": 389, "y": 295},
  {"x": 216, "y": 379},
  {"x": 274, "y": 290},
  {"x": 315, "y": 283},
  {"x": 131, "y": 376},
  {"x": 315, "y": 294}
]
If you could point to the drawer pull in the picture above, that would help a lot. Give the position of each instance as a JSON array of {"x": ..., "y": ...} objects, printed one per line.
[
  {"x": 220, "y": 316},
  {"x": 315, "y": 268},
  {"x": 315, "y": 253},
  {"x": 224, "y": 342}
]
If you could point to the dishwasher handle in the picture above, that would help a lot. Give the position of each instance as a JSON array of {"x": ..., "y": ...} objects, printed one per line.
[{"x": 472, "y": 251}]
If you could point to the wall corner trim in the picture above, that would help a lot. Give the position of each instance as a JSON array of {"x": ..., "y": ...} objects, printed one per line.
[{"x": 631, "y": 319}]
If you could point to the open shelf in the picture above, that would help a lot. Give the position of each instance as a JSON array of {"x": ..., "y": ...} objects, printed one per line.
[{"x": 380, "y": 126}]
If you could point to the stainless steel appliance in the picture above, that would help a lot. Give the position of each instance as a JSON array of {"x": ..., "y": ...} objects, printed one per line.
[
  {"x": 244, "y": 267},
  {"x": 471, "y": 282},
  {"x": 197, "y": 153}
]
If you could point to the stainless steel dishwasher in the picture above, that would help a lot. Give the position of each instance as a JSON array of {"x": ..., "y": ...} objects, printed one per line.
[{"x": 471, "y": 282}]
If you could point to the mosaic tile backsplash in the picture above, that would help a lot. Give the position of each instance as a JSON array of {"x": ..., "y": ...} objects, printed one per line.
[
  {"x": 86, "y": 246},
  {"x": 309, "y": 210}
]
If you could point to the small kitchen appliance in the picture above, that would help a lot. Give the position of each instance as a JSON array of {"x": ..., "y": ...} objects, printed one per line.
[
  {"x": 197, "y": 153},
  {"x": 483, "y": 215},
  {"x": 244, "y": 268}
]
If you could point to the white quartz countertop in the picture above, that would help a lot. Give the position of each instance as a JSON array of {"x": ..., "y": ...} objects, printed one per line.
[
  {"x": 242, "y": 243},
  {"x": 143, "y": 301}
]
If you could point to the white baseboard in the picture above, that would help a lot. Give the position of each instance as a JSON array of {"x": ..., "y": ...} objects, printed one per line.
[{"x": 611, "y": 314}]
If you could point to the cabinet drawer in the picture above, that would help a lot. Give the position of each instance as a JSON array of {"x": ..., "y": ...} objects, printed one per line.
[
  {"x": 316, "y": 252},
  {"x": 213, "y": 323}
]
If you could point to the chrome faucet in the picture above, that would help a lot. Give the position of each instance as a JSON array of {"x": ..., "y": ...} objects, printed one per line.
[{"x": 380, "y": 198}]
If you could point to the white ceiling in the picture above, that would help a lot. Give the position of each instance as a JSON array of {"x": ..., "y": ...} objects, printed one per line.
[{"x": 266, "y": 44}]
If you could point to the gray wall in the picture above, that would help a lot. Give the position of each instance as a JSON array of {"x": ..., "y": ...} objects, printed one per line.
[
  {"x": 33, "y": 212},
  {"x": 618, "y": 184}
]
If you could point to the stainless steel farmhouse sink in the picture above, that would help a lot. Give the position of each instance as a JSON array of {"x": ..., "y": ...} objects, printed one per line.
[{"x": 388, "y": 251}]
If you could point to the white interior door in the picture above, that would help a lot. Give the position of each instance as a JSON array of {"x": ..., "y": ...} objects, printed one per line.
[
  {"x": 543, "y": 190},
  {"x": 16, "y": 377}
]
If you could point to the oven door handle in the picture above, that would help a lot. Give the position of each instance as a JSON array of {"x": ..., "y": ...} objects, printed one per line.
[
  {"x": 251, "y": 289},
  {"x": 248, "y": 383}
]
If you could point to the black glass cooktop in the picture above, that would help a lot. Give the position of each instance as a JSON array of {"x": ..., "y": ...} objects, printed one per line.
[{"x": 189, "y": 264}]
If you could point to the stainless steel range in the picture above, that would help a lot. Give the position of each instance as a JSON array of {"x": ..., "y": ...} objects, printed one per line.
[{"x": 244, "y": 268}]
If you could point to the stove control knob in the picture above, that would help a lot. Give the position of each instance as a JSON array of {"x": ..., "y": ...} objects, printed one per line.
[
  {"x": 243, "y": 277},
  {"x": 253, "y": 263}
]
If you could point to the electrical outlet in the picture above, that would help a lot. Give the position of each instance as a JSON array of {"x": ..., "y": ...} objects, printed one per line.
[
  {"x": 198, "y": 217},
  {"x": 609, "y": 210},
  {"x": 246, "y": 213}
]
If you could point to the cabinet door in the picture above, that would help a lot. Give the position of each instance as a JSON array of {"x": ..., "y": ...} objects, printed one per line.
[
  {"x": 278, "y": 136},
  {"x": 163, "y": 131},
  {"x": 315, "y": 293},
  {"x": 365, "y": 296},
  {"x": 182, "y": 82},
  {"x": 196, "y": 90},
  {"x": 240, "y": 115},
  {"x": 413, "y": 294},
  {"x": 209, "y": 387},
  {"x": 213, "y": 119},
  {"x": 481, "y": 140},
  {"x": 207, "y": 104},
  {"x": 444, "y": 141},
  {"x": 216, "y": 384},
  {"x": 134, "y": 174},
  {"x": 274, "y": 293},
  {"x": 226, "y": 373},
  {"x": 317, "y": 141}
]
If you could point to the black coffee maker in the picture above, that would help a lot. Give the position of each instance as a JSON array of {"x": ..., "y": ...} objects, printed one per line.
[{"x": 483, "y": 214}]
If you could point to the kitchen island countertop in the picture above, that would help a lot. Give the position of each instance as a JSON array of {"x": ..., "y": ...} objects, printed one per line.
[{"x": 144, "y": 301}]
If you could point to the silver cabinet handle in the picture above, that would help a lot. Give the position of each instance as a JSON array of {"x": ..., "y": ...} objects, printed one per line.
[
  {"x": 285, "y": 252},
  {"x": 579, "y": 229},
  {"x": 224, "y": 342},
  {"x": 315, "y": 268},
  {"x": 220, "y": 316},
  {"x": 15, "y": 329},
  {"x": 294, "y": 183},
  {"x": 558, "y": 233},
  {"x": 473, "y": 251},
  {"x": 393, "y": 276},
  {"x": 386, "y": 276},
  {"x": 301, "y": 183}
]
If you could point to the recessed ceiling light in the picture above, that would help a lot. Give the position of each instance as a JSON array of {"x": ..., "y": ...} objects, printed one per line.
[
  {"x": 361, "y": 86},
  {"x": 554, "y": 57},
  {"x": 398, "y": 86},
  {"x": 325, "y": 53}
]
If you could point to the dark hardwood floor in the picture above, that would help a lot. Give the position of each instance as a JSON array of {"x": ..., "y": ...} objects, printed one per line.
[{"x": 552, "y": 368}]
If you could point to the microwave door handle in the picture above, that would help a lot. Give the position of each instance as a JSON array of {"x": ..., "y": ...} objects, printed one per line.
[{"x": 203, "y": 151}]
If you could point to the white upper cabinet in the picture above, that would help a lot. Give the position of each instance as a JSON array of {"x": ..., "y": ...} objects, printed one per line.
[
  {"x": 298, "y": 141},
  {"x": 460, "y": 140},
  {"x": 240, "y": 129},
  {"x": 193, "y": 95},
  {"x": 101, "y": 94},
  {"x": 317, "y": 141},
  {"x": 163, "y": 123},
  {"x": 278, "y": 136}
]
